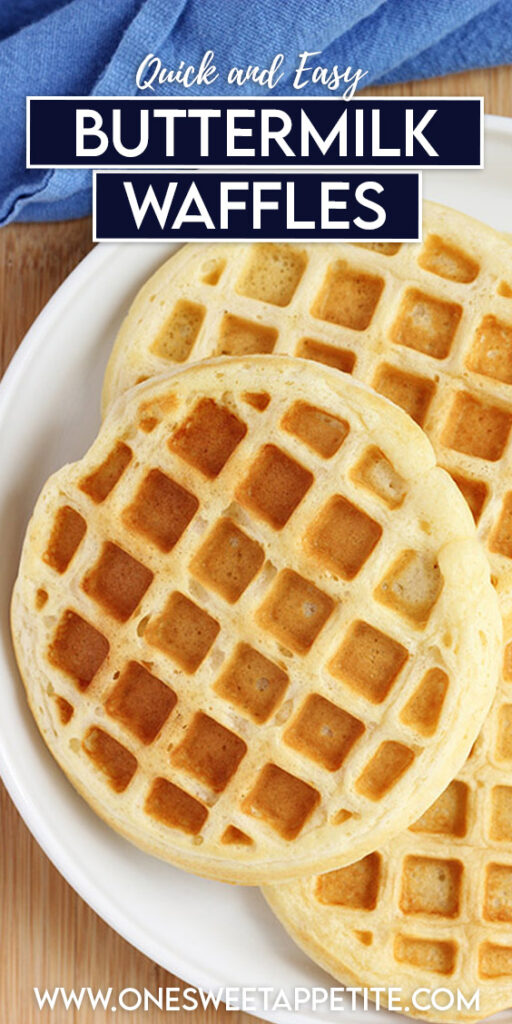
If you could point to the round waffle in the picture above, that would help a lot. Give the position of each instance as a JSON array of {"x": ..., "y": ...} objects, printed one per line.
[{"x": 249, "y": 620}]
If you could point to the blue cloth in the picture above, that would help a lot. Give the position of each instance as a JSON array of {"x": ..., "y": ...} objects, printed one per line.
[{"x": 83, "y": 47}]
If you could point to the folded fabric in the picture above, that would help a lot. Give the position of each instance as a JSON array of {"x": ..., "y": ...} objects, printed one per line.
[{"x": 86, "y": 47}]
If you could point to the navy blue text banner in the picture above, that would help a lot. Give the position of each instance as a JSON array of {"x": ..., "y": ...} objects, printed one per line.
[
  {"x": 117, "y": 132},
  {"x": 250, "y": 206}
]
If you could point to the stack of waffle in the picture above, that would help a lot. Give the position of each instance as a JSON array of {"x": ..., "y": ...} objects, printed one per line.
[{"x": 260, "y": 622}]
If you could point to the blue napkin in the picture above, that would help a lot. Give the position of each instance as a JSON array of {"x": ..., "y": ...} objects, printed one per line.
[{"x": 82, "y": 47}]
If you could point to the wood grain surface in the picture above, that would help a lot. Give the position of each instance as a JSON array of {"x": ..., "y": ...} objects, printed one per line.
[{"x": 49, "y": 936}]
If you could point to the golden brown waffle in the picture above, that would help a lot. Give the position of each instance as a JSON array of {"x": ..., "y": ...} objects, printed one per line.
[
  {"x": 427, "y": 325},
  {"x": 254, "y": 623},
  {"x": 432, "y": 909}
]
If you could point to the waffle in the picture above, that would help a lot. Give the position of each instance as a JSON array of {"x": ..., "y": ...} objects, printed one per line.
[
  {"x": 249, "y": 620},
  {"x": 433, "y": 909},
  {"x": 428, "y": 325}
]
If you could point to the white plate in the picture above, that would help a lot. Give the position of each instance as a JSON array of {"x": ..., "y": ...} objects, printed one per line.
[{"x": 207, "y": 933}]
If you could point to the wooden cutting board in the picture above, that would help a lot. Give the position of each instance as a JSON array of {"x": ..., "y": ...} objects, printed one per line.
[{"x": 50, "y": 937}]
